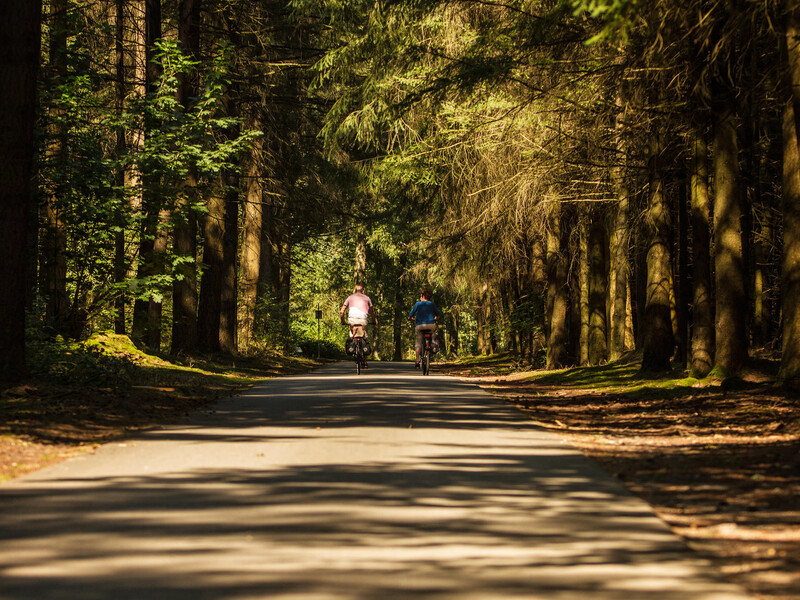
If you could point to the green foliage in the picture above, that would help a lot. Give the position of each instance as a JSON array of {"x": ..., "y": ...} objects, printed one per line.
[
  {"x": 82, "y": 170},
  {"x": 617, "y": 16}
]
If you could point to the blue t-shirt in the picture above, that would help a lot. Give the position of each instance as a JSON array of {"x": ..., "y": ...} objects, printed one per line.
[{"x": 425, "y": 311}]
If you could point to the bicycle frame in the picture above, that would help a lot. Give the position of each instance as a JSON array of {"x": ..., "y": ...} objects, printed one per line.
[{"x": 358, "y": 332}]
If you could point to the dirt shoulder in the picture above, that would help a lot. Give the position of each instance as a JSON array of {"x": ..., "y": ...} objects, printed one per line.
[{"x": 719, "y": 463}]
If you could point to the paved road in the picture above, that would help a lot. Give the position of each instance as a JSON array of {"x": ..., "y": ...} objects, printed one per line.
[{"x": 332, "y": 486}]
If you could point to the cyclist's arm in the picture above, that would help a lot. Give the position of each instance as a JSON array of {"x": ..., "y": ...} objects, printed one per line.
[
  {"x": 413, "y": 312},
  {"x": 341, "y": 312}
]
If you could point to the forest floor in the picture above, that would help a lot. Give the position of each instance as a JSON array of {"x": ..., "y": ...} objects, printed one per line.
[
  {"x": 81, "y": 395},
  {"x": 719, "y": 461}
]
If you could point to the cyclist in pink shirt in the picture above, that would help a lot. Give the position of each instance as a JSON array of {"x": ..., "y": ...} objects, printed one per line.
[{"x": 359, "y": 310}]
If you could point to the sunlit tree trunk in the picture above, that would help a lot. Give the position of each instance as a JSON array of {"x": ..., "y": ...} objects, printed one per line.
[
  {"x": 360, "y": 271},
  {"x": 618, "y": 278},
  {"x": 790, "y": 273},
  {"x": 702, "y": 346},
  {"x": 130, "y": 57},
  {"x": 556, "y": 303},
  {"x": 598, "y": 350},
  {"x": 482, "y": 317},
  {"x": 658, "y": 342},
  {"x": 251, "y": 241},
  {"x": 583, "y": 292},
  {"x": 681, "y": 288},
  {"x": 537, "y": 285},
  {"x": 153, "y": 239},
  {"x": 729, "y": 276},
  {"x": 20, "y": 31}
]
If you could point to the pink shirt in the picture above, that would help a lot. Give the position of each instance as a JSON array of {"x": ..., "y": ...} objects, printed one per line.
[{"x": 358, "y": 304}]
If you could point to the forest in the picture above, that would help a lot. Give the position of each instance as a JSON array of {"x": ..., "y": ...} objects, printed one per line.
[{"x": 575, "y": 180}]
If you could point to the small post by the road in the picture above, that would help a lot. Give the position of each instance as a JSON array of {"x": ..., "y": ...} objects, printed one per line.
[{"x": 319, "y": 320}]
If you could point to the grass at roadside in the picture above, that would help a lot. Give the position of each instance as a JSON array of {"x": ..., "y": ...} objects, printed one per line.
[
  {"x": 83, "y": 394},
  {"x": 719, "y": 460}
]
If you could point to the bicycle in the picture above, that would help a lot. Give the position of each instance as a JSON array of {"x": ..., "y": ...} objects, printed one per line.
[
  {"x": 359, "y": 351},
  {"x": 427, "y": 352}
]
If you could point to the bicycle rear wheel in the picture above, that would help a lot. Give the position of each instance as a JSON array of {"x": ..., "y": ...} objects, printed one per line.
[
  {"x": 426, "y": 362},
  {"x": 358, "y": 355}
]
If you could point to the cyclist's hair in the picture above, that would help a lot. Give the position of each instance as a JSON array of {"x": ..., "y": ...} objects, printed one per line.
[
  {"x": 426, "y": 294},
  {"x": 359, "y": 289}
]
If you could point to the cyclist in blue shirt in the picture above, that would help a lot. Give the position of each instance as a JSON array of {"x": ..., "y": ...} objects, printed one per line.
[{"x": 425, "y": 313}]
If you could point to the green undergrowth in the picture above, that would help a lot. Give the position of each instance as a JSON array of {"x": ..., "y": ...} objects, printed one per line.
[
  {"x": 105, "y": 387},
  {"x": 622, "y": 377},
  {"x": 110, "y": 360}
]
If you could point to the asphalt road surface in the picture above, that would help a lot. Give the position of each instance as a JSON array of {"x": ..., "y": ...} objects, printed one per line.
[{"x": 330, "y": 486}]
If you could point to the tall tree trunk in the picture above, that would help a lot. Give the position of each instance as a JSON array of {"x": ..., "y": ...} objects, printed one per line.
[
  {"x": 598, "y": 350},
  {"x": 53, "y": 270},
  {"x": 184, "y": 290},
  {"x": 618, "y": 279},
  {"x": 657, "y": 331},
  {"x": 20, "y": 32},
  {"x": 228, "y": 288},
  {"x": 681, "y": 283},
  {"x": 153, "y": 241},
  {"x": 119, "y": 238},
  {"x": 583, "y": 293},
  {"x": 267, "y": 310},
  {"x": 556, "y": 290},
  {"x": 482, "y": 317},
  {"x": 702, "y": 351},
  {"x": 399, "y": 310},
  {"x": 284, "y": 289},
  {"x": 251, "y": 241},
  {"x": 131, "y": 82},
  {"x": 619, "y": 275},
  {"x": 536, "y": 285},
  {"x": 729, "y": 277},
  {"x": 208, "y": 323},
  {"x": 790, "y": 269},
  {"x": 762, "y": 301},
  {"x": 360, "y": 271},
  {"x": 455, "y": 344}
]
